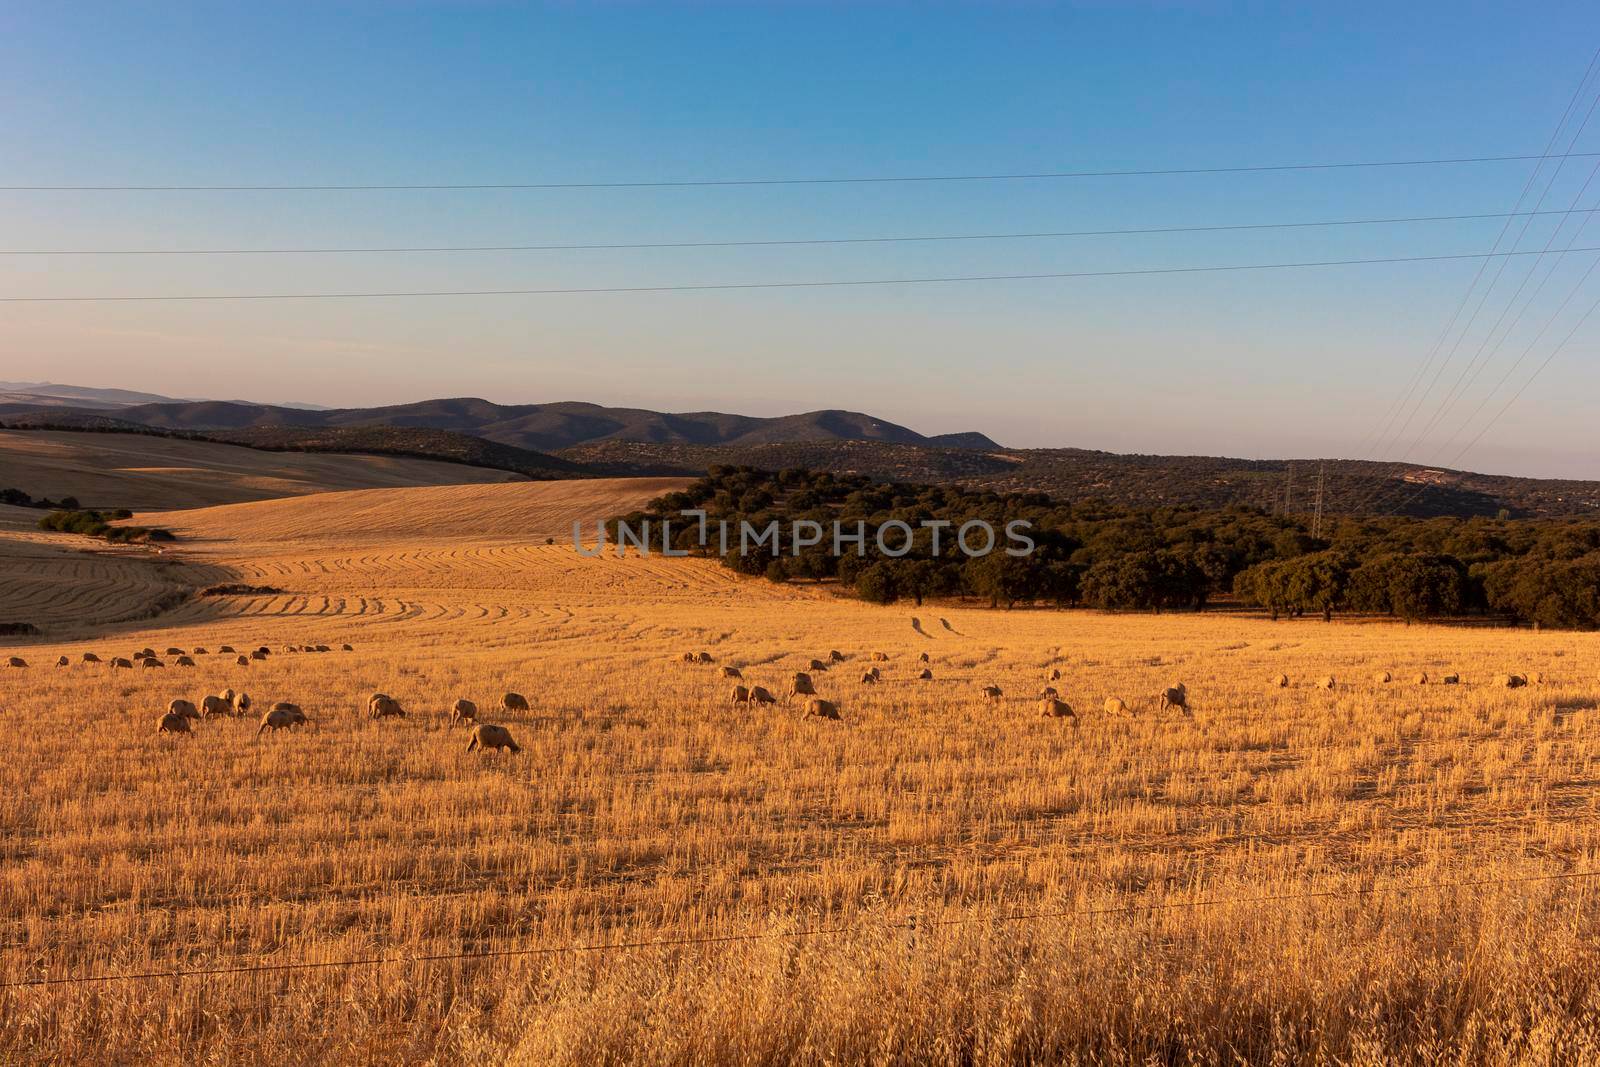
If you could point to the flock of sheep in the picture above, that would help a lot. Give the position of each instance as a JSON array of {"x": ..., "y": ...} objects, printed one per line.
[
  {"x": 147, "y": 657},
  {"x": 181, "y": 713},
  {"x": 283, "y": 715},
  {"x": 1501, "y": 681},
  {"x": 1050, "y": 704}
]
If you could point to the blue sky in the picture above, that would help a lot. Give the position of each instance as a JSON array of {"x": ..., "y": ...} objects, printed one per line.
[{"x": 1292, "y": 363}]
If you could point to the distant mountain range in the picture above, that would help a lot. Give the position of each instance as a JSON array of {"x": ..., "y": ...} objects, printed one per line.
[
  {"x": 574, "y": 440},
  {"x": 54, "y": 394},
  {"x": 540, "y": 427}
]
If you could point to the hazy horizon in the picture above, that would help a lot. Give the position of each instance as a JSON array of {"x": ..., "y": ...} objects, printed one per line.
[{"x": 304, "y": 402}]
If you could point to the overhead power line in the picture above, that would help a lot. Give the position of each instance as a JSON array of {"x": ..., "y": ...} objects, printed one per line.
[
  {"x": 781, "y": 242},
  {"x": 1507, "y": 406},
  {"x": 690, "y": 183},
  {"x": 725, "y": 286},
  {"x": 1379, "y": 433}
]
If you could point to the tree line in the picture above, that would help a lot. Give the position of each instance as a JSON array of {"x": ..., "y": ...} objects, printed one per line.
[{"x": 1092, "y": 553}]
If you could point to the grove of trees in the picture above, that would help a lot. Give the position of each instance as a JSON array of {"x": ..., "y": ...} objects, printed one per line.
[{"x": 1090, "y": 553}]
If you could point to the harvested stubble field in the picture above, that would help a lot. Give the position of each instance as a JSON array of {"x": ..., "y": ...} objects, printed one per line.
[{"x": 1359, "y": 875}]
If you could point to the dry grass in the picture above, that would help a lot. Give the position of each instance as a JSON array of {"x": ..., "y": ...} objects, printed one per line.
[{"x": 644, "y": 806}]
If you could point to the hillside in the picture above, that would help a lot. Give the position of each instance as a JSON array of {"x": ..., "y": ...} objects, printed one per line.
[
  {"x": 1350, "y": 486},
  {"x": 528, "y": 511},
  {"x": 142, "y": 471},
  {"x": 542, "y": 427},
  {"x": 56, "y": 394},
  {"x": 574, "y": 440}
]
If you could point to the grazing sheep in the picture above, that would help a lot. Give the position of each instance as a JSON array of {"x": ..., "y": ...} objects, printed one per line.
[
  {"x": 62, "y": 661},
  {"x": 1327, "y": 681},
  {"x": 90, "y": 657},
  {"x": 1048, "y": 691},
  {"x": 926, "y": 675},
  {"x": 818, "y": 708},
  {"x": 172, "y": 724},
  {"x": 876, "y": 676},
  {"x": 151, "y": 661},
  {"x": 346, "y": 648},
  {"x": 243, "y": 661},
  {"x": 463, "y": 710},
  {"x": 216, "y": 705},
  {"x": 739, "y": 695},
  {"x": 175, "y": 652},
  {"x": 1176, "y": 696},
  {"x": 138, "y": 657},
  {"x": 119, "y": 663},
  {"x": 184, "y": 661},
  {"x": 201, "y": 652},
  {"x": 282, "y": 716},
  {"x": 226, "y": 650},
  {"x": 801, "y": 686},
  {"x": 1055, "y": 674},
  {"x": 1382, "y": 678},
  {"x": 258, "y": 654},
  {"x": 16, "y": 661},
  {"x": 869, "y": 678},
  {"x": 817, "y": 665},
  {"x": 1450, "y": 679},
  {"x": 1054, "y": 708},
  {"x": 289, "y": 649},
  {"x": 1281, "y": 681},
  {"x": 383, "y": 706},
  {"x": 514, "y": 702},
  {"x": 148, "y": 653},
  {"x": 241, "y": 702},
  {"x": 690, "y": 657},
  {"x": 923, "y": 658},
  {"x": 835, "y": 656},
  {"x": 1536, "y": 678},
  {"x": 1115, "y": 706},
  {"x": 322, "y": 648},
  {"x": 265, "y": 651},
  {"x": 880, "y": 657},
  {"x": 992, "y": 694},
  {"x": 731, "y": 672},
  {"x": 486, "y": 735},
  {"x": 705, "y": 657},
  {"x": 1510, "y": 681},
  {"x": 184, "y": 708},
  {"x": 1421, "y": 678},
  {"x": 759, "y": 694}
]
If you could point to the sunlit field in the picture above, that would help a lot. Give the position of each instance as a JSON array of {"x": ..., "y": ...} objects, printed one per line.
[{"x": 1379, "y": 872}]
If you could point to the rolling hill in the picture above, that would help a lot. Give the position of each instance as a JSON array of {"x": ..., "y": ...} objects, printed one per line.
[
  {"x": 528, "y": 511},
  {"x": 540, "y": 427},
  {"x": 142, "y": 471},
  {"x": 57, "y": 395},
  {"x": 576, "y": 440},
  {"x": 1350, "y": 486}
]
